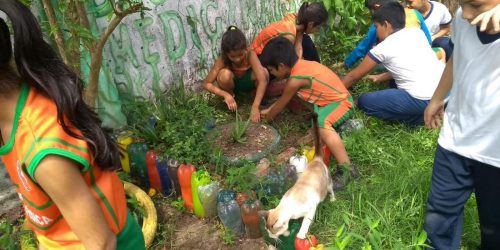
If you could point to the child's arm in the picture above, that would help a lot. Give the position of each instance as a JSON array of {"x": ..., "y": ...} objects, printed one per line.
[
  {"x": 62, "y": 180},
  {"x": 383, "y": 77},
  {"x": 354, "y": 75},
  {"x": 298, "y": 43},
  {"x": 292, "y": 86},
  {"x": 208, "y": 84},
  {"x": 443, "y": 31},
  {"x": 434, "y": 112},
  {"x": 362, "y": 48},
  {"x": 261, "y": 82}
]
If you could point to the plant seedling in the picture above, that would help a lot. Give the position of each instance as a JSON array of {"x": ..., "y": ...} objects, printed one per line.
[{"x": 239, "y": 129}]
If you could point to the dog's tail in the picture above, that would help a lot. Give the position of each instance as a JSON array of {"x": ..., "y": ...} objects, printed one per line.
[{"x": 317, "y": 140}]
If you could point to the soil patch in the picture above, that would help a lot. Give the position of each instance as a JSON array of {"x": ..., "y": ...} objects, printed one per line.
[
  {"x": 258, "y": 138},
  {"x": 189, "y": 232}
]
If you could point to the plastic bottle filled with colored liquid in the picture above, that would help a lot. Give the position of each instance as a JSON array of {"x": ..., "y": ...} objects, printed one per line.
[
  {"x": 162, "y": 168},
  {"x": 290, "y": 174},
  {"x": 199, "y": 178},
  {"x": 154, "y": 177},
  {"x": 284, "y": 242},
  {"x": 138, "y": 169},
  {"x": 208, "y": 198},
  {"x": 250, "y": 216},
  {"x": 184, "y": 174},
  {"x": 123, "y": 142},
  {"x": 173, "y": 167},
  {"x": 229, "y": 213},
  {"x": 326, "y": 155},
  {"x": 274, "y": 184}
]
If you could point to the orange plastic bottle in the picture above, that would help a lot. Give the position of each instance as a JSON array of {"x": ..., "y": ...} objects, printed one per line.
[
  {"x": 154, "y": 177},
  {"x": 184, "y": 175},
  {"x": 326, "y": 155}
]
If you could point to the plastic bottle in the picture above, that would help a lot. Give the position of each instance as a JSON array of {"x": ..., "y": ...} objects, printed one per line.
[
  {"x": 162, "y": 168},
  {"x": 154, "y": 177},
  {"x": 283, "y": 242},
  {"x": 290, "y": 174},
  {"x": 184, "y": 174},
  {"x": 208, "y": 198},
  {"x": 199, "y": 178},
  {"x": 138, "y": 169},
  {"x": 173, "y": 167},
  {"x": 124, "y": 141},
  {"x": 326, "y": 155},
  {"x": 229, "y": 212},
  {"x": 250, "y": 216},
  {"x": 274, "y": 184}
]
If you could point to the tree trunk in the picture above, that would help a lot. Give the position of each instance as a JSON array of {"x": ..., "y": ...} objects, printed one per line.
[
  {"x": 451, "y": 4},
  {"x": 92, "y": 90},
  {"x": 58, "y": 36}
]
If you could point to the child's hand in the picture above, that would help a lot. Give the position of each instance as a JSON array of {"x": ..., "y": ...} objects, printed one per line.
[
  {"x": 264, "y": 112},
  {"x": 490, "y": 20},
  {"x": 255, "y": 115},
  {"x": 373, "y": 78},
  {"x": 231, "y": 103},
  {"x": 434, "y": 113}
]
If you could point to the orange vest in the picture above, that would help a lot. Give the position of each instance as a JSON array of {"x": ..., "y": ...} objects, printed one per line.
[
  {"x": 239, "y": 71},
  {"x": 36, "y": 134},
  {"x": 325, "y": 86},
  {"x": 284, "y": 27}
]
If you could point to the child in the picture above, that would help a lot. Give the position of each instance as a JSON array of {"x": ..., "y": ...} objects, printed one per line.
[
  {"x": 295, "y": 28},
  {"x": 467, "y": 157},
  {"x": 438, "y": 19},
  {"x": 316, "y": 84},
  {"x": 413, "y": 20},
  {"x": 237, "y": 69},
  {"x": 57, "y": 155},
  {"x": 409, "y": 59}
]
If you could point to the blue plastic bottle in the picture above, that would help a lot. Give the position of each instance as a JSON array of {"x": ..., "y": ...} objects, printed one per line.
[{"x": 162, "y": 168}]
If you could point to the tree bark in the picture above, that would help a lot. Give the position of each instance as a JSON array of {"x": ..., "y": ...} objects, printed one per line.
[
  {"x": 74, "y": 54},
  {"x": 58, "y": 36},
  {"x": 92, "y": 90}
]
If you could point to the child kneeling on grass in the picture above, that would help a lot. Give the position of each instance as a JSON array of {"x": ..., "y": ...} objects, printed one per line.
[
  {"x": 237, "y": 70},
  {"x": 318, "y": 85},
  {"x": 406, "y": 54}
]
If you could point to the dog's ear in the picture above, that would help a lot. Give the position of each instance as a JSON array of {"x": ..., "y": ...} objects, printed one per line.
[{"x": 264, "y": 214}]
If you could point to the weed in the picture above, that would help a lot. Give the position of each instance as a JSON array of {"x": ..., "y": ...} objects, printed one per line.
[
  {"x": 227, "y": 236},
  {"x": 242, "y": 179},
  {"x": 178, "y": 204}
]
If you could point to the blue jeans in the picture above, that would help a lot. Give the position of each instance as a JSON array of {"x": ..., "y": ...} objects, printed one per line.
[
  {"x": 446, "y": 44},
  {"x": 394, "y": 105},
  {"x": 454, "y": 177}
]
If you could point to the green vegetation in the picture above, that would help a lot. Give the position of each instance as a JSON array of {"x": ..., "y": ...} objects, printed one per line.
[{"x": 239, "y": 129}]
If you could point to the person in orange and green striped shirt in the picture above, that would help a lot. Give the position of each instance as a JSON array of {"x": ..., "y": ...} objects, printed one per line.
[
  {"x": 295, "y": 27},
  {"x": 56, "y": 153},
  {"x": 317, "y": 86}
]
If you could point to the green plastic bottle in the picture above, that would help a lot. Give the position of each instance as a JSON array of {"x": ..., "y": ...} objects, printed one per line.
[
  {"x": 199, "y": 178},
  {"x": 138, "y": 168},
  {"x": 284, "y": 242}
]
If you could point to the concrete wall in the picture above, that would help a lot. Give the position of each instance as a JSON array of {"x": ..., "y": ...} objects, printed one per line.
[{"x": 178, "y": 40}]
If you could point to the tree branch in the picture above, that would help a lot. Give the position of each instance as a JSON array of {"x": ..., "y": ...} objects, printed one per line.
[{"x": 58, "y": 36}]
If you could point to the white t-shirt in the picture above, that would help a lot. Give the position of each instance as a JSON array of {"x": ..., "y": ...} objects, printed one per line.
[
  {"x": 438, "y": 15},
  {"x": 471, "y": 125},
  {"x": 406, "y": 54}
]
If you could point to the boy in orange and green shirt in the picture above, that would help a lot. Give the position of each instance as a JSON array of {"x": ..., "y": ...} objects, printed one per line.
[{"x": 317, "y": 85}]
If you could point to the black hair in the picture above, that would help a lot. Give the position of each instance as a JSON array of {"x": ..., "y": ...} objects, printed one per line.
[
  {"x": 232, "y": 40},
  {"x": 8, "y": 78},
  {"x": 40, "y": 67},
  {"x": 392, "y": 12},
  {"x": 370, "y": 4},
  {"x": 278, "y": 50},
  {"x": 312, "y": 12}
]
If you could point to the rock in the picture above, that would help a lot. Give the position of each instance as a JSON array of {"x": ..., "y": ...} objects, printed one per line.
[
  {"x": 263, "y": 167},
  {"x": 285, "y": 155}
]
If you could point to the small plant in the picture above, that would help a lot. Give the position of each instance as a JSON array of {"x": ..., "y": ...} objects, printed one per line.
[
  {"x": 178, "y": 204},
  {"x": 239, "y": 129},
  {"x": 227, "y": 236},
  {"x": 242, "y": 179}
]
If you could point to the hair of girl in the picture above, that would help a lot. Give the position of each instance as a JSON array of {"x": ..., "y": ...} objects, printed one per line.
[
  {"x": 312, "y": 12},
  {"x": 8, "y": 79},
  {"x": 40, "y": 67},
  {"x": 232, "y": 40}
]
